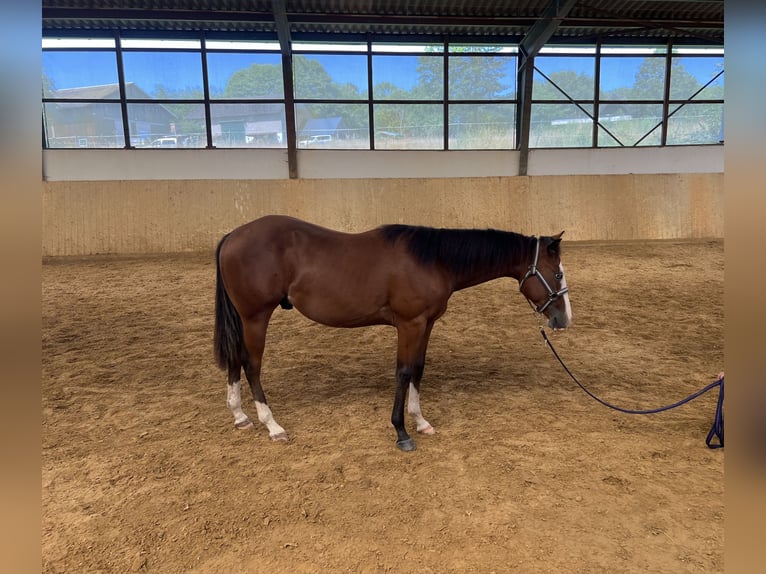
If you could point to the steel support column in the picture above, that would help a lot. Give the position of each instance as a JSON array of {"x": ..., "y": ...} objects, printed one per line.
[
  {"x": 535, "y": 38},
  {"x": 286, "y": 47}
]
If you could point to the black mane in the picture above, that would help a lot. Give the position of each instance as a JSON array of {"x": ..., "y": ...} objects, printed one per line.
[{"x": 461, "y": 251}]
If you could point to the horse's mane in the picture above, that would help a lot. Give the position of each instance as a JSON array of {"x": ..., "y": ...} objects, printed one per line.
[{"x": 461, "y": 250}]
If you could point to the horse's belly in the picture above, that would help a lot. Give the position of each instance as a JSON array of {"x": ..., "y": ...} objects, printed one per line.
[{"x": 337, "y": 307}]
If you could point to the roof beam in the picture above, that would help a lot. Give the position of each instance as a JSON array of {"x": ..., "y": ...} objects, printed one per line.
[{"x": 543, "y": 29}]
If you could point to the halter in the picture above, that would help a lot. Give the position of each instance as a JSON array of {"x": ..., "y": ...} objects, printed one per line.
[{"x": 532, "y": 271}]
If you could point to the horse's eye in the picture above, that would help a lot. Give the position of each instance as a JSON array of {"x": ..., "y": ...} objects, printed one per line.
[{"x": 559, "y": 276}]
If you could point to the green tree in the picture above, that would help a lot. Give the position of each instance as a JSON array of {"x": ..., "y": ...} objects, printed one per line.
[
  {"x": 478, "y": 78},
  {"x": 649, "y": 81},
  {"x": 313, "y": 81},
  {"x": 576, "y": 85},
  {"x": 255, "y": 81},
  {"x": 430, "y": 83}
]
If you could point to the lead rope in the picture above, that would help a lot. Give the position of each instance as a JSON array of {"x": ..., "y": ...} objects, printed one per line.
[{"x": 716, "y": 431}]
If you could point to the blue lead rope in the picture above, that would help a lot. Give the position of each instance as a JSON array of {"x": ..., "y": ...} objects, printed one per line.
[{"x": 716, "y": 430}]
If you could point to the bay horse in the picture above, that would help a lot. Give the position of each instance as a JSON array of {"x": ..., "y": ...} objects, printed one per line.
[{"x": 396, "y": 275}]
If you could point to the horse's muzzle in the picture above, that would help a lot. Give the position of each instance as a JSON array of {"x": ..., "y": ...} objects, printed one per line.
[{"x": 558, "y": 323}]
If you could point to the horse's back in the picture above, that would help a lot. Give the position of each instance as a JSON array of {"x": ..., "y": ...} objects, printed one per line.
[
  {"x": 271, "y": 227},
  {"x": 277, "y": 253}
]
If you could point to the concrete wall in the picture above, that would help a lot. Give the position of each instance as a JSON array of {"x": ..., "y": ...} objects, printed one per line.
[
  {"x": 174, "y": 215},
  {"x": 243, "y": 164}
]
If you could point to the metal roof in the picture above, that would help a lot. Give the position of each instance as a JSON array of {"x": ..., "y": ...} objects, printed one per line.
[{"x": 568, "y": 21}]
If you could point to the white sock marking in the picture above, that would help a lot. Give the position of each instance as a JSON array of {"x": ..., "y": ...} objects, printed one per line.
[
  {"x": 413, "y": 407},
  {"x": 265, "y": 416},
  {"x": 234, "y": 401}
]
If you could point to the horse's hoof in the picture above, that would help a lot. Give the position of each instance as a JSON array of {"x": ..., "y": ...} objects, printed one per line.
[
  {"x": 244, "y": 425},
  {"x": 281, "y": 436},
  {"x": 406, "y": 445},
  {"x": 427, "y": 430}
]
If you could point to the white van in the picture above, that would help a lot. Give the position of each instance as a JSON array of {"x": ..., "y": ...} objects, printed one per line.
[
  {"x": 165, "y": 142},
  {"x": 319, "y": 139}
]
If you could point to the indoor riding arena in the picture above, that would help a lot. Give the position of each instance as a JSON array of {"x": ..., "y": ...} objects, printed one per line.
[{"x": 604, "y": 121}]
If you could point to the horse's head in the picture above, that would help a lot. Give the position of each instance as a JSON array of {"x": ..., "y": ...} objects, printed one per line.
[{"x": 544, "y": 284}]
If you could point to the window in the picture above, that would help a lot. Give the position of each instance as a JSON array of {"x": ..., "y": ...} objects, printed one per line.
[
  {"x": 331, "y": 95},
  {"x": 562, "y": 98},
  {"x": 408, "y": 96},
  {"x": 482, "y": 97},
  {"x": 124, "y": 91},
  {"x": 81, "y": 91},
  {"x": 634, "y": 106}
]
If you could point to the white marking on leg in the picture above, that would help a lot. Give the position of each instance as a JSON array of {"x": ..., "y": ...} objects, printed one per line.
[
  {"x": 265, "y": 416},
  {"x": 234, "y": 402},
  {"x": 567, "y": 305},
  {"x": 413, "y": 407}
]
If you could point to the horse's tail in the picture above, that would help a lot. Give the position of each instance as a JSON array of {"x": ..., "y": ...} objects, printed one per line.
[{"x": 228, "y": 342}]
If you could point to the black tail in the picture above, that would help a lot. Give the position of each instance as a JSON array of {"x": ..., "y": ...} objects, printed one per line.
[{"x": 228, "y": 343}]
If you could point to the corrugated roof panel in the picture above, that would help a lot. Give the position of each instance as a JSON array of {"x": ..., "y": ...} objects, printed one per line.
[{"x": 689, "y": 20}]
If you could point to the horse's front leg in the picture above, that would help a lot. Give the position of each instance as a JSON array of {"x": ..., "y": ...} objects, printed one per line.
[
  {"x": 413, "y": 406},
  {"x": 410, "y": 361}
]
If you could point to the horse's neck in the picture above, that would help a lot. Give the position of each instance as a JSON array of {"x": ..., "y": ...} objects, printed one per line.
[
  {"x": 501, "y": 255},
  {"x": 507, "y": 268}
]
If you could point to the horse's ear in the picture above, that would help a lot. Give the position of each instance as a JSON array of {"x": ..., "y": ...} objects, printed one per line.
[{"x": 554, "y": 247}]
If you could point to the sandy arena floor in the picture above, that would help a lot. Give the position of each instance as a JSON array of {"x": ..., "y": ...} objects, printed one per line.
[{"x": 143, "y": 471}]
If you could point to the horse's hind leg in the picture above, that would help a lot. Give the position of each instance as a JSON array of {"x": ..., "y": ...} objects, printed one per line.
[
  {"x": 254, "y": 331},
  {"x": 234, "y": 400}
]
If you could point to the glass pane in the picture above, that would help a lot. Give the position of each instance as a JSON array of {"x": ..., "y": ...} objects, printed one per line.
[
  {"x": 629, "y": 123},
  {"x": 330, "y": 76},
  {"x": 325, "y": 47},
  {"x": 381, "y": 47},
  {"x": 560, "y": 125},
  {"x": 70, "y": 125},
  {"x": 571, "y": 50},
  {"x": 632, "y": 78},
  {"x": 482, "y": 49},
  {"x": 245, "y": 45},
  {"x": 482, "y": 77},
  {"x": 172, "y": 75},
  {"x": 703, "y": 50},
  {"x": 689, "y": 74},
  {"x": 630, "y": 49},
  {"x": 339, "y": 126},
  {"x": 245, "y": 76},
  {"x": 696, "y": 124},
  {"x": 165, "y": 44},
  {"x": 167, "y": 125},
  {"x": 248, "y": 125},
  {"x": 85, "y": 43},
  {"x": 574, "y": 75},
  {"x": 409, "y": 126},
  {"x": 482, "y": 126},
  {"x": 408, "y": 77},
  {"x": 80, "y": 75}
]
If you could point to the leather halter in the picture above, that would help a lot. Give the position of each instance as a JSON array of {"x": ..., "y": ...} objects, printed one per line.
[{"x": 532, "y": 271}]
